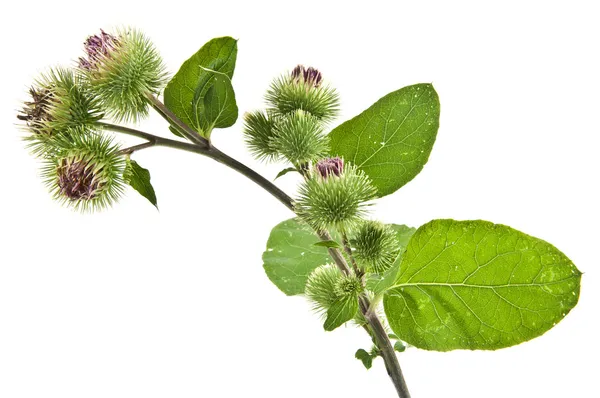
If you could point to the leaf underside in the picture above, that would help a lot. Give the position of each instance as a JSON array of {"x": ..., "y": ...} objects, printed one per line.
[
  {"x": 139, "y": 179},
  {"x": 292, "y": 255}
]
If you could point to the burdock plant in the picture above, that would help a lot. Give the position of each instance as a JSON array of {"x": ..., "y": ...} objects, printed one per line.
[{"x": 444, "y": 286}]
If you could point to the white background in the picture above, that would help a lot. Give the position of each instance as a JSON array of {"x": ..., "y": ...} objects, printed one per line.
[{"x": 132, "y": 302}]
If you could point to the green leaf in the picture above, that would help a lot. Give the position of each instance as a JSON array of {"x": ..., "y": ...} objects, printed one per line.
[
  {"x": 328, "y": 243},
  {"x": 284, "y": 172},
  {"x": 379, "y": 283},
  {"x": 478, "y": 285},
  {"x": 399, "y": 346},
  {"x": 200, "y": 94},
  {"x": 291, "y": 256},
  {"x": 364, "y": 357},
  {"x": 218, "y": 108},
  {"x": 341, "y": 312},
  {"x": 139, "y": 179},
  {"x": 391, "y": 141}
]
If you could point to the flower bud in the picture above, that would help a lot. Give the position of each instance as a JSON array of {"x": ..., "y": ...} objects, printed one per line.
[
  {"x": 121, "y": 69},
  {"x": 303, "y": 89},
  {"x": 321, "y": 287},
  {"x": 299, "y": 137},
  {"x": 348, "y": 286},
  {"x": 333, "y": 201},
  {"x": 375, "y": 246},
  {"x": 258, "y": 133},
  {"x": 85, "y": 171}
]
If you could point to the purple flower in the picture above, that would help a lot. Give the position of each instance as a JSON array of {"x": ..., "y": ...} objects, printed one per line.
[
  {"x": 310, "y": 75},
  {"x": 77, "y": 180},
  {"x": 97, "y": 47},
  {"x": 330, "y": 166},
  {"x": 37, "y": 111}
]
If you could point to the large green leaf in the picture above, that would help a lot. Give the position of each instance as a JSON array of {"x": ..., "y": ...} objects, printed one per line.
[
  {"x": 139, "y": 179},
  {"x": 291, "y": 256},
  {"x": 200, "y": 94},
  {"x": 478, "y": 285},
  {"x": 391, "y": 141}
]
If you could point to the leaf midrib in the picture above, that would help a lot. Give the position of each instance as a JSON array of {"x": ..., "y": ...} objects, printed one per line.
[{"x": 477, "y": 286}]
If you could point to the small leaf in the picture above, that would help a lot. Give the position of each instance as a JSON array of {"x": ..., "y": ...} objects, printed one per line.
[
  {"x": 392, "y": 336},
  {"x": 399, "y": 346},
  {"x": 478, "y": 285},
  {"x": 291, "y": 256},
  {"x": 364, "y": 357},
  {"x": 391, "y": 141},
  {"x": 341, "y": 312},
  {"x": 284, "y": 172},
  {"x": 139, "y": 179},
  {"x": 328, "y": 243},
  {"x": 217, "y": 108},
  {"x": 200, "y": 93}
]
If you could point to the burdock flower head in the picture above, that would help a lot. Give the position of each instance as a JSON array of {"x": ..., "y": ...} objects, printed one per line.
[
  {"x": 335, "y": 195},
  {"x": 299, "y": 137},
  {"x": 122, "y": 69},
  {"x": 258, "y": 134},
  {"x": 303, "y": 88},
  {"x": 375, "y": 246},
  {"x": 86, "y": 171},
  {"x": 59, "y": 101}
]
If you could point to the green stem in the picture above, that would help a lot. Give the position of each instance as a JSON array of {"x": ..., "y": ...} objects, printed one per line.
[
  {"x": 139, "y": 147},
  {"x": 348, "y": 251},
  {"x": 206, "y": 149},
  {"x": 183, "y": 128}
]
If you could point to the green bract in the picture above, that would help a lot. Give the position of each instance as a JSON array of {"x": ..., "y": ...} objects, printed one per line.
[
  {"x": 348, "y": 286},
  {"x": 375, "y": 246},
  {"x": 258, "y": 134},
  {"x": 122, "y": 69},
  {"x": 59, "y": 100},
  {"x": 337, "y": 202},
  {"x": 298, "y": 136},
  {"x": 321, "y": 287},
  {"x": 85, "y": 171}
]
